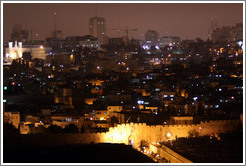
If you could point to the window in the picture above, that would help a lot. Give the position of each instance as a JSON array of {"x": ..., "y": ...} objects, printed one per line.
[{"x": 140, "y": 102}]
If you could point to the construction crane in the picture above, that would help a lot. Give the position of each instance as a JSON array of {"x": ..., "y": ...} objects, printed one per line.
[
  {"x": 124, "y": 30},
  {"x": 127, "y": 31},
  {"x": 118, "y": 31}
]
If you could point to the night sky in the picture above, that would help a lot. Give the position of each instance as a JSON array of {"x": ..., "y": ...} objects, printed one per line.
[{"x": 187, "y": 21}]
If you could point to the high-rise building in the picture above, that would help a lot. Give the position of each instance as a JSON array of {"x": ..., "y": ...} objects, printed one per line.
[
  {"x": 212, "y": 27},
  {"x": 228, "y": 33},
  {"x": 97, "y": 28},
  {"x": 151, "y": 36},
  {"x": 19, "y": 34},
  {"x": 238, "y": 31},
  {"x": 213, "y": 24}
]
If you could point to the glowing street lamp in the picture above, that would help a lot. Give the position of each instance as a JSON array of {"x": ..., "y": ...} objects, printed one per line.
[{"x": 168, "y": 135}]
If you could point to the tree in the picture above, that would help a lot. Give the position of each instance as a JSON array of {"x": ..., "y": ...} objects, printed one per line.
[
  {"x": 193, "y": 133},
  {"x": 54, "y": 129},
  {"x": 83, "y": 129},
  {"x": 14, "y": 64},
  {"x": 71, "y": 128},
  {"x": 27, "y": 56},
  {"x": 113, "y": 120},
  {"x": 38, "y": 130},
  {"x": 9, "y": 129}
]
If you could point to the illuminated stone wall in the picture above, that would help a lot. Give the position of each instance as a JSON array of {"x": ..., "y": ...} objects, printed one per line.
[
  {"x": 140, "y": 131},
  {"x": 137, "y": 132}
]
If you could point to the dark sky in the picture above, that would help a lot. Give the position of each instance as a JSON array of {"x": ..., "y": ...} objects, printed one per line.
[{"x": 184, "y": 20}]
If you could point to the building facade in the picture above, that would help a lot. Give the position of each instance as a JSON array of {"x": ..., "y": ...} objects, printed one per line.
[
  {"x": 151, "y": 36},
  {"x": 19, "y": 34},
  {"x": 228, "y": 33},
  {"x": 169, "y": 40},
  {"x": 97, "y": 28},
  {"x": 16, "y": 50}
]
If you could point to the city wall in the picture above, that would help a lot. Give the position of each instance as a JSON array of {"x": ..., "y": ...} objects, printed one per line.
[
  {"x": 156, "y": 133},
  {"x": 134, "y": 133}
]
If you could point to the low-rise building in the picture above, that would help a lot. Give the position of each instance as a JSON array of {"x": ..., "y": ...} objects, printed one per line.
[
  {"x": 12, "y": 118},
  {"x": 182, "y": 120},
  {"x": 66, "y": 119}
]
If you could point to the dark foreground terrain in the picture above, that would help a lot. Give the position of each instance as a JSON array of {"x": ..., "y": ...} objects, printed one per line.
[
  {"x": 225, "y": 148},
  {"x": 36, "y": 149},
  {"x": 92, "y": 153}
]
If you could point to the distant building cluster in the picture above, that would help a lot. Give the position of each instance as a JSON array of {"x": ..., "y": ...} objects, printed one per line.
[
  {"x": 228, "y": 33},
  {"x": 19, "y": 34},
  {"x": 23, "y": 43},
  {"x": 86, "y": 84}
]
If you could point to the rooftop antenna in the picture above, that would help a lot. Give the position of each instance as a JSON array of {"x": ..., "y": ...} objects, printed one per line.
[
  {"x": 118, "y": 21},
  {"x": 55, "y": 24}
]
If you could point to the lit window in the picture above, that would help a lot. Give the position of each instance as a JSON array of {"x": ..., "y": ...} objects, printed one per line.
[{"x": 140, "y": 102}]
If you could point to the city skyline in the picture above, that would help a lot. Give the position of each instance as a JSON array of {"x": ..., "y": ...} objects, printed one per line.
[
  {"x": 123, "y": 83},
  {"x": 191, "y": 22}
]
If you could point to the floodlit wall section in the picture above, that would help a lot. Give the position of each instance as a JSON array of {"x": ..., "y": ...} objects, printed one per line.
[
  {"x": 140, "y": 131},
  {"x": 133, "y": 133}
]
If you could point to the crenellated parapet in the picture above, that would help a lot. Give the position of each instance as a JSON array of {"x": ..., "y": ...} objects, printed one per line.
[
  {"x": 122, "y": 133},
  {"x": 134, "y": 133}
]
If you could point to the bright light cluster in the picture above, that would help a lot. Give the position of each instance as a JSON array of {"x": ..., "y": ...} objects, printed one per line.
[{"x": 14, "y": 52}]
